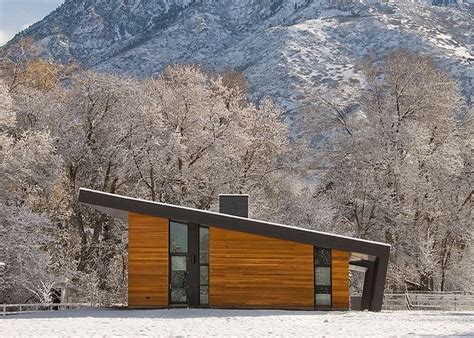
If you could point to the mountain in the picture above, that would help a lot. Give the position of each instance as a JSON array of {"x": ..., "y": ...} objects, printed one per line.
[{"x": 284, "y": 47}]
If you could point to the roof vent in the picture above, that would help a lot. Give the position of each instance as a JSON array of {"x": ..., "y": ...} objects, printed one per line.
[{"x": 235, "y": 205}]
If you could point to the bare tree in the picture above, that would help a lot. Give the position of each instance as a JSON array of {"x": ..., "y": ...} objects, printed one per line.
[
  {"x": 22, "y": 65},
  {"x": 181, "y": 137},
  {"x": 29, "y": 171},
  {"x": 194, "y": 138},
  {"x": 402, "y": 173}
]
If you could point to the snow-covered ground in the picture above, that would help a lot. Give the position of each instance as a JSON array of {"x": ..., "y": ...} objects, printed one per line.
[{"x": 203, "y": 322}]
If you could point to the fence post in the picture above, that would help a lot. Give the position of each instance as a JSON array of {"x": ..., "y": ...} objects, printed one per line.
[{"x": 20, "y": 309}]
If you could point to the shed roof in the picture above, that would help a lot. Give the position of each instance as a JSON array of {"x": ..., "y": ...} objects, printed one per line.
[{"x": 119, "y": 206}]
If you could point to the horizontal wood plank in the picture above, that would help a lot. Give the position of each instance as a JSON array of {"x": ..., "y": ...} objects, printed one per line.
[
  {"x": 340, "y": 280},
  {"x": 147, "y": 261},
  {"x": 251, "y": 271}
]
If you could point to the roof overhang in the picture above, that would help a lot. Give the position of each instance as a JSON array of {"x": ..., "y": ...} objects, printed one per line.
[{"x": 118, "y": 206}]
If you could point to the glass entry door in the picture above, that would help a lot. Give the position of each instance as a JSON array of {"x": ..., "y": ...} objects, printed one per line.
[{"x": 189, "y": 264}]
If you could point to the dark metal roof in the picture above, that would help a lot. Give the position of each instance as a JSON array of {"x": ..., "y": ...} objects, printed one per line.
[{"x": 119, "y": 206}]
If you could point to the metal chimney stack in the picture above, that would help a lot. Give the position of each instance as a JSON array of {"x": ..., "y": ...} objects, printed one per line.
[{"x": 235, "y": 205}]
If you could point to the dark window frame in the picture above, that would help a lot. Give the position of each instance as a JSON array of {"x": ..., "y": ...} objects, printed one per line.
[
  {"x": 204, "y": 264},
  {"x": 187, "y": 255},
  {"x": 170, "y": 255},
  {"x": 328, "y": 265}
]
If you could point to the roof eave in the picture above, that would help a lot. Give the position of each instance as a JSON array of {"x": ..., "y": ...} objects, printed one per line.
[{"x": 116, "y": 205}]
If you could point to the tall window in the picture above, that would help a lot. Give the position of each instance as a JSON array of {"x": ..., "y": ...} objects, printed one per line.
[
  {"x": 203, "y": 265},
  {"x": 322, "y": 277},
  {"x": 178, "y": 256}
]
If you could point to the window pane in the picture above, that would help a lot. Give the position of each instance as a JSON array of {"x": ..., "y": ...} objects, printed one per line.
[
  {"x": 178, "y": 263},
  {"x": 178, "y": 279},
  {"x": 322, "y": 257},
  {"x": 204, "y": 295},
  {"x": 323, "y": 289},
  {"x": 178, "y": 287},
  {"x": 322, "y": 276},
  {"x": 204, "y": 275},
  {"x": 323, "y": 300},
  {"x": 178, "y": 237},
  {"x": 203, "y": 245}
]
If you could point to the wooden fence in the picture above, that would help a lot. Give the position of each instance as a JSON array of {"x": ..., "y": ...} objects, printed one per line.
[
  {"x": 13, "y": 309},
  {"x": 446, "y": 301}
]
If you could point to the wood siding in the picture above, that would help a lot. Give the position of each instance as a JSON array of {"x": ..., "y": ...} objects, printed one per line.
[
  {"x": 340, "y": 280},
  {"x": 251, "y": 271},
  {"x": 147, "y": 261}
]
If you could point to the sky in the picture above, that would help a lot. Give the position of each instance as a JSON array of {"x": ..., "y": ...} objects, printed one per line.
[{"x": 16, "y": 15}]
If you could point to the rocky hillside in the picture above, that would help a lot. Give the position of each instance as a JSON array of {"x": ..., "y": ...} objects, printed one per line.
[{"x": 284, "y": 47}]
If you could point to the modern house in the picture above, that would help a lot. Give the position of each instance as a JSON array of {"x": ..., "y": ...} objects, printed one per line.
[{"x": 179, "y": 256}]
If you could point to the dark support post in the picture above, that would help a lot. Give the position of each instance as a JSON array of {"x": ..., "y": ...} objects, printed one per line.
[
  {"x": 378, "y": 285},
  {"x": 193, "y": 265},
  {"x": 368, "y": 281},
  {"x": 367, "y": 291}
]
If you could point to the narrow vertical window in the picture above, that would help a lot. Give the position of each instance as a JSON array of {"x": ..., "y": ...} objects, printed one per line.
[
  {"x": 322, "y": 278},
  {"x": 204, "y": 265},
  {"x": 178, "y": 246}
]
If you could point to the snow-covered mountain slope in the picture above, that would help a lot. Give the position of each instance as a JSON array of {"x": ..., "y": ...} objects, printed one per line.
[{"x": 284, "y": 47}]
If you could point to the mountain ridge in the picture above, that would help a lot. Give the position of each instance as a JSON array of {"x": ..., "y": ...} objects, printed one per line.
[{"x": 286, "y": 48}]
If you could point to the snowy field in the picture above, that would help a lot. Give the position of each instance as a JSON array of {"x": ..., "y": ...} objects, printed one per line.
[{"x": 202, "y": 322}]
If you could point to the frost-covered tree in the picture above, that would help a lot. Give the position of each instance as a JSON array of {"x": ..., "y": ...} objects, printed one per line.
[
  {"x": 402, "y": 172},
  {"x": 88, "y": 125},
  {"x": 28, "y": 171},
  {"x": 194, "y": 138},
  {"x": 81, "y": 120},
  {"x": 181, "y": 137}
]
